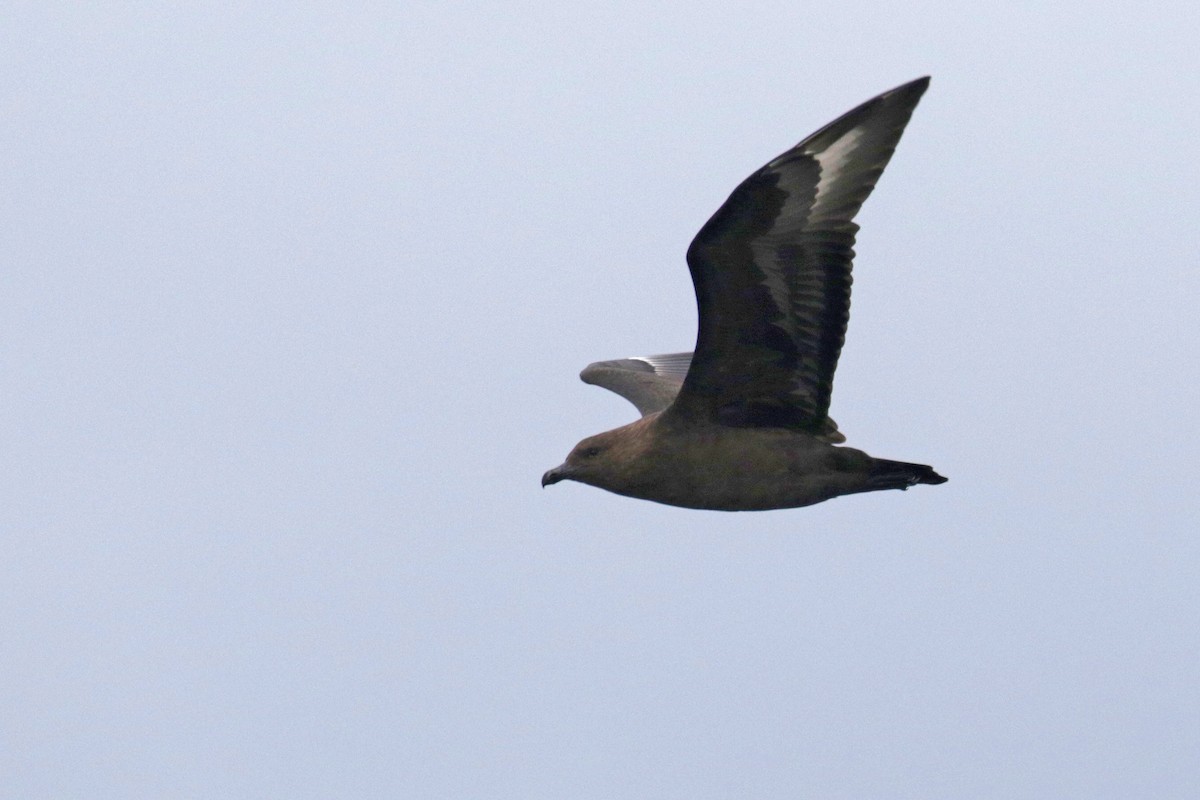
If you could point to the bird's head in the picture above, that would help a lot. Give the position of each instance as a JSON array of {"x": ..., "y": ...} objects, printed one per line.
[
  {"x": 589, "y": 459},
  {"x": 603, "y": 460}
]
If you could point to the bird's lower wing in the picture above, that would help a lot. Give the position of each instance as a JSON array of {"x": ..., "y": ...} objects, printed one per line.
[{"x": 649, "y": 382}]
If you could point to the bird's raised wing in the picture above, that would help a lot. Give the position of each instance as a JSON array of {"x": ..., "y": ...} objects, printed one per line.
[
  {"x": 772, "y": 273},
  {"x": 649, "y": 382}
]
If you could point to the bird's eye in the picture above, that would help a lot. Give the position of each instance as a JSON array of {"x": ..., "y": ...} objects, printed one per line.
[{"x": 589, "y": 452}]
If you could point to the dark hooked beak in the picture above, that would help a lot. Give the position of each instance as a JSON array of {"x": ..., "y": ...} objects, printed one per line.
[{"x": 554, "y": 476}]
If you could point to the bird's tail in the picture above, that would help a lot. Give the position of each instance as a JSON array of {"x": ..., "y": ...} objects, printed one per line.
[{"x": 899, "y": 475}]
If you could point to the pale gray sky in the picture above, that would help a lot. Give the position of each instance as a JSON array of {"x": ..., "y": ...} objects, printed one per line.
[{"x": 293, "y": 299}]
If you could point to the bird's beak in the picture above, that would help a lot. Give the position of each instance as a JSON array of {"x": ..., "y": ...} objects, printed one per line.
[{"x": 554, "y": 476}]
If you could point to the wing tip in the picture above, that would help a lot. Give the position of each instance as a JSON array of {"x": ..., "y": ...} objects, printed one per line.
[
  {"x": 914, "y": 87},
  {"x": 594, "y": 372},
  {"x": 906, "y": 95}
]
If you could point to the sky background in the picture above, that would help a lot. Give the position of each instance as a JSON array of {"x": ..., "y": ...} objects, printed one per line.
[{"x": 293, "y": 298}]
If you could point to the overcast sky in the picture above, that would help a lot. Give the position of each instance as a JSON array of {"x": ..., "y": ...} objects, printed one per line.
[{"x": 293, "y": 298}]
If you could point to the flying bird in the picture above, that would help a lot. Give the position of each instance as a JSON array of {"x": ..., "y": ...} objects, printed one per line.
[{"x": 742, "y": 423}]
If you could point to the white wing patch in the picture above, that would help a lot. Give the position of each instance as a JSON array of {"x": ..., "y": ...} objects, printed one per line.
[
  {"x": 833, "y": 160},
  {"x": 674, "y": 364}
]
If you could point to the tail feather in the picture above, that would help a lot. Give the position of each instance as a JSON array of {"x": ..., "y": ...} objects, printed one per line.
[{"x": 899, "y": 475}]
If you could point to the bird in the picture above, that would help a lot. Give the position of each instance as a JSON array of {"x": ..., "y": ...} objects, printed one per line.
[{"x": 742, "y": 422}]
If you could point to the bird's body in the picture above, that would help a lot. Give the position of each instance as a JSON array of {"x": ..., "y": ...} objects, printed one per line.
[
  {"x": 741, "y": 423},
  {"x": 719, "y": 468}
]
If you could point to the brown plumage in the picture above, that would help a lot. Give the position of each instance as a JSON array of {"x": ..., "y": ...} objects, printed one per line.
[{"x": 742, "y": 423}]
